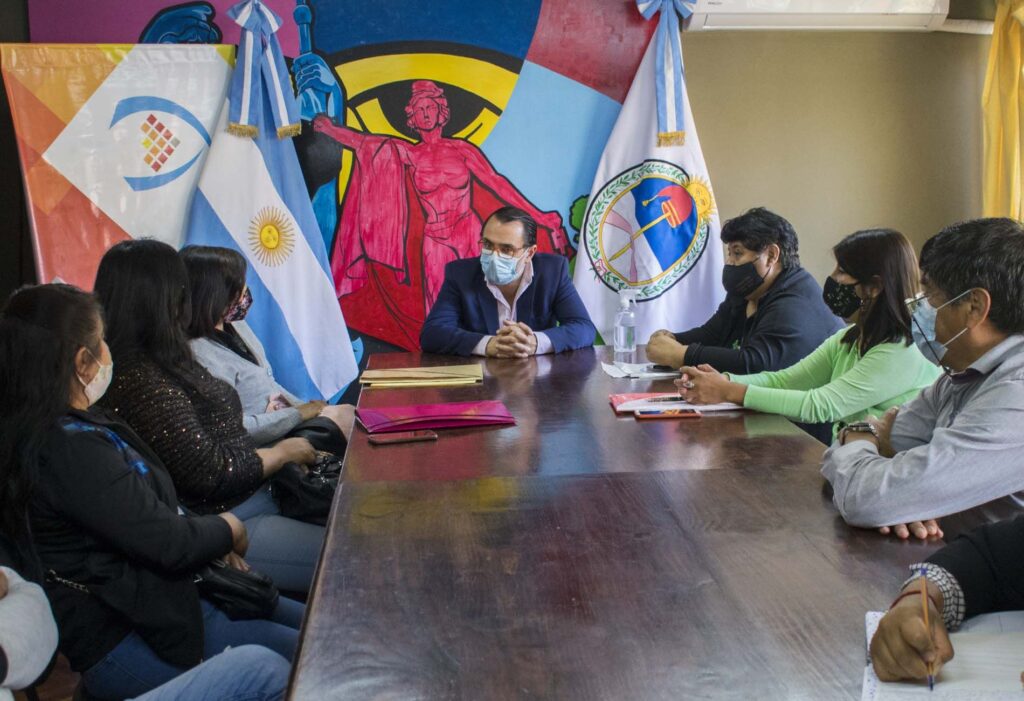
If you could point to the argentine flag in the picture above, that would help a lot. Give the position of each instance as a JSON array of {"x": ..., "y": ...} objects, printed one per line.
[{"x": 251, "y": 197}]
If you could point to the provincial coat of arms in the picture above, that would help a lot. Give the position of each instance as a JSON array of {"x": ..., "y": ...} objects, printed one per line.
[{"x": 647, "y": 227}]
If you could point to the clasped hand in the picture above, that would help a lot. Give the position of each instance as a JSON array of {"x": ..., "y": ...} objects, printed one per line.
[
  {"x": 664, "y": 349},
  {"x": 239, "y": 543},
  {"x": 705, "y": 385},
  {"x": 922, "y": 530},
  {"x": 513, "y": 340}
]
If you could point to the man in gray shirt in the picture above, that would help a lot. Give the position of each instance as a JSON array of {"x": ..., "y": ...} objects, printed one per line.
[{"x": 955, "y": 452}]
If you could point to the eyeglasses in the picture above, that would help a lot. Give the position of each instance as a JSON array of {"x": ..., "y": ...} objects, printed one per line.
[
  {"x": 502, "y": 249},
  {"x": 921, "y": 299},
  {"x": 915, "y": 302}
]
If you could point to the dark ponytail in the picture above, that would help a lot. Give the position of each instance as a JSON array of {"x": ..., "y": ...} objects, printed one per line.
[{"x": 42, "y": 328}]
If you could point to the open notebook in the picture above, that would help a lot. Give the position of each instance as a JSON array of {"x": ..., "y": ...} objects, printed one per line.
[
  {"x": 442, "y": 376},
  {"x": 986, "y": 667}
]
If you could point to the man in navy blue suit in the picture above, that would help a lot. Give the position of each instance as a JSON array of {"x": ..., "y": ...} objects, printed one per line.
[{"x": 511, "y": 302}]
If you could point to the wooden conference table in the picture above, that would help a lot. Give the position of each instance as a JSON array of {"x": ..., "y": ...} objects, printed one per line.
[{"x": 580, "y": 555}]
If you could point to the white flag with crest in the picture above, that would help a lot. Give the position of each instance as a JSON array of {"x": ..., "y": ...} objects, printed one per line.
[{"x": 651, "y": 225}]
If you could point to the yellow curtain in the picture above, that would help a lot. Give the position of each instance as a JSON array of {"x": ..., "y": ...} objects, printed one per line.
[{"x": 1003, "y": 105}]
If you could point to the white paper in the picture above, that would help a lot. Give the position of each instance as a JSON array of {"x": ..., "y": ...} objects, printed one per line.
[
  {"x": 614, "y": 371},
  {"x": 986, "y": 667},
  {"x": 638, "y": 371},
  {"x": 648, "y": 405}
]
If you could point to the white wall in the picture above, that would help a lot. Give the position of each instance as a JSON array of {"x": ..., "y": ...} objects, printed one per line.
[{"x": 841, "y": 131}]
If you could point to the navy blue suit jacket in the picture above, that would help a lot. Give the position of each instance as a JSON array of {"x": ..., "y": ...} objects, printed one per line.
[{"x": 466, "y": 311}]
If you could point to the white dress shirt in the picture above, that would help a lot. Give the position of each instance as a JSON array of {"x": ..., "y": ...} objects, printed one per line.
[{"x": 507, "y": 312}]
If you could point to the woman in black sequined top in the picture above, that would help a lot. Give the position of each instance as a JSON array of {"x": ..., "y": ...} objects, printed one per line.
[
  {"x": 192, "y": 420},
  {"x": 91, "y": 512}
]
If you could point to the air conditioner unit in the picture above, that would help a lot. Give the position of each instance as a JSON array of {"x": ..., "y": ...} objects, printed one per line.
[{"x": 841, "y": 15}]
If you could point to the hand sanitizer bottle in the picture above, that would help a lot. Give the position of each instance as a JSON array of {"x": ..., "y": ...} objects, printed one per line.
[{"x": 625, "y": 328}]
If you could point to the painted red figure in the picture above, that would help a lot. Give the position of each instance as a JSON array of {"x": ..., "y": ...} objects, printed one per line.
[{"x": 375, "y": 215}]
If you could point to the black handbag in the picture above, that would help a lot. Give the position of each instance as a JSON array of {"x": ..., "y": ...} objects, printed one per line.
[
  {"x": 307, "y": 495},
  {"x": 323, "y": 434},
  {"x": 240, "y": 595}
]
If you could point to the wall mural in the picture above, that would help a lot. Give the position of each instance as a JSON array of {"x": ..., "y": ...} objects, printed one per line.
[{"x": 436, "y": 115}]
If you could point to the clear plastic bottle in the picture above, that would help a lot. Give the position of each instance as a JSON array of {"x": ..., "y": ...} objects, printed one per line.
[{"x": 625, "y": 324}]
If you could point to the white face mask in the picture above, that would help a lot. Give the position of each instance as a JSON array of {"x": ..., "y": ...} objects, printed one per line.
[
  {"x": 500, "y": 270},
  {"x": 97, "y": 387}
]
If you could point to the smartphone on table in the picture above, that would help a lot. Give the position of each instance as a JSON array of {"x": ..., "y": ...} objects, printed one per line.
[
  {"x": 644, "y": 414},
  {"x": 402, "y": 437}
]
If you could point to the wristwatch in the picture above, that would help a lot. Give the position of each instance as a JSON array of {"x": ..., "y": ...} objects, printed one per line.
[{"x": 857, "y": 427}]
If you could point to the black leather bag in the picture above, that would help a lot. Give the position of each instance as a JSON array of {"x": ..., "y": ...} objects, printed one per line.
[
  {"x": 307, "y": 495},
  {"x": 240, "y": 595},
  {"x": 323, "y": 434}
]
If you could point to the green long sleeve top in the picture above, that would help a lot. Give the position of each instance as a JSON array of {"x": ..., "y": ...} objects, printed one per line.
[{"x": 835, "y": 383}]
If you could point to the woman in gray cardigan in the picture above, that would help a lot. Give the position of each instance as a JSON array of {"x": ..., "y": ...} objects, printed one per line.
[{"x": 225, "y": 345}]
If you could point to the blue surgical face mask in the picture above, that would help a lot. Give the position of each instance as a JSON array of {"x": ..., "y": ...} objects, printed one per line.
[
  {"x": 922, "y": 328},
  {"x": 499, "y": 270}
]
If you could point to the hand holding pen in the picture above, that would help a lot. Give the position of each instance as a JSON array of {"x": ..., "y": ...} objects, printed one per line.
[{"x": 911, "y": 642}]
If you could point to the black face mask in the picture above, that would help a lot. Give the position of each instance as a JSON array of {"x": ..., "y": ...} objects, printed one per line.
[
  {"x": 740, "y": 280},
  {"x": 841, "y": 299}
]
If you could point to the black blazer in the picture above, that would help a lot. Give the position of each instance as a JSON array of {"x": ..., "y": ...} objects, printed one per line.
[{"x": 113, "y": 525}]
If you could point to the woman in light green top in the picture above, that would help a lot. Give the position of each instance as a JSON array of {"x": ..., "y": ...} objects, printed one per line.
[{"x": 864, "y": 369}]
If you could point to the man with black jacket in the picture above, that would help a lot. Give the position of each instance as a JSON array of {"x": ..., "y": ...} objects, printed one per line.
[
  {"x": 773, "y": 315},
  {"x": 979, "y": 572}
]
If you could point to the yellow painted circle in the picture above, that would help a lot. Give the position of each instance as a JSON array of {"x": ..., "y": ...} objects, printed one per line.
[
  {"x": 701, "y": 197},
  {"x": 270, "y": 237}
]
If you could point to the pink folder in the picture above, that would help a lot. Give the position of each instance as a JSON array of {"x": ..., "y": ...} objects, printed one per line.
[{"x": 423, "y": 416}]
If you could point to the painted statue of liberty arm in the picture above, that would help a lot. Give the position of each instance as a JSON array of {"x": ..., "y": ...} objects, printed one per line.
[
  {"x": 319, "y": 92},
  {"x": 484, "y": 172}
]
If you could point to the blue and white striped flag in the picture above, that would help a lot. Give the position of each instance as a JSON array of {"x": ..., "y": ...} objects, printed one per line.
[
  {"x": 252, "y": 197},
  {"x": 668, "y": 53},
  {"x": 261, "y": 77}
]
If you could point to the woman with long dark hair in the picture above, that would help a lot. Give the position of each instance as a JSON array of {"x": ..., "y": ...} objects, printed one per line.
[
  {"x": 192, "y": 420},
  {"x": 91, "y": 510},
  {"x": 866, "y": 368},
  {"x": 225, "y": 345}
]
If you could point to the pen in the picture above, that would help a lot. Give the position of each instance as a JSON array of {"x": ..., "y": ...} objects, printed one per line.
[
  {"x": 673, "y": 398},
  {"x": 924, "y": 608}
]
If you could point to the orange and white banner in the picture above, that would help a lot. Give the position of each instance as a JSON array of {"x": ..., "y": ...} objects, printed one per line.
[{"x": 111, "y": 140}]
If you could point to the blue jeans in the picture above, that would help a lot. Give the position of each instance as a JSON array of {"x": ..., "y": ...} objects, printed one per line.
[
  {"x": 247, "y": 673},
  {"x": 282, "y": 548},
  {"x": 132, "y": 668}
]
